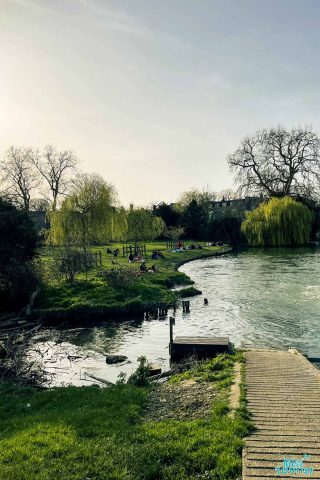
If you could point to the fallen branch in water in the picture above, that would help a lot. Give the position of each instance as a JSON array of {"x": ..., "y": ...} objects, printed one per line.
[{"x": 102, "y": 380}]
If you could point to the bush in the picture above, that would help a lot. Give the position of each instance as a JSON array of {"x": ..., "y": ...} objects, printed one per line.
[
  {"x": 71, "y": 261},
  {"x": 141, "y": 377},
  {"x": 17, "y": 248},
  {"x": 17, "y": 282},
  {"x": 18, "y": 237},
  {"x": 119, "y": 277}
]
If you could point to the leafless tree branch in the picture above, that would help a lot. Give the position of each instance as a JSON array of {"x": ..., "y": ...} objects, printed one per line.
[{"x": 277, "y": 162}]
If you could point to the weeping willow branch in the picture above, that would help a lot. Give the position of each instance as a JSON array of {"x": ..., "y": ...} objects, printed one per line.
[{"x": 278, "y": 222}]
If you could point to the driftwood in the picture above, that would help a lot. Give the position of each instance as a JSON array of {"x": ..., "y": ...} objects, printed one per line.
[
  {"x": 101, "y": 380},
  {"x": 16, "y": 366}
]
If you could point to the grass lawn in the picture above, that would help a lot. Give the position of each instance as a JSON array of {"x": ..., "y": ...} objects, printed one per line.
[
  {"x": 93, "y": 292},
  {"x": 98, "y": 434}
]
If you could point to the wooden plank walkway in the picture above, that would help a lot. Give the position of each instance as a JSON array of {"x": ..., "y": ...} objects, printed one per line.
[{"x": 283, "y": 393}]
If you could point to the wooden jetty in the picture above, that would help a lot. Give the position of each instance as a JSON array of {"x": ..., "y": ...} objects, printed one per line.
[
  {"x": 283, "y": 395},
  {"x": 200, "y": 347}
]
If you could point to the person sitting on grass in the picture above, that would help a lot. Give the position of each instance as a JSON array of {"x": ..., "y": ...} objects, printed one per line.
[
  {"x": 130, "y": 258},
  {"x": 156, "y": 255},
  {"x": 143, "y": 267}
]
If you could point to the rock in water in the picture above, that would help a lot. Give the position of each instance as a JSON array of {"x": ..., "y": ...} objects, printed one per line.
[{"x": 112, "y": 359}]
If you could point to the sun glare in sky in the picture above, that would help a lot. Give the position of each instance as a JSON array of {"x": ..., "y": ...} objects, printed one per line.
[{"x": 154, "y": 95}]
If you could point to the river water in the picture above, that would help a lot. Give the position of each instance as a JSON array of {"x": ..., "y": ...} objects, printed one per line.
[{"x": 268, "y": 298}]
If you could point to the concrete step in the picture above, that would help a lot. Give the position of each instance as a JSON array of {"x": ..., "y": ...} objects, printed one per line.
[{"x": 283, "y": 397}]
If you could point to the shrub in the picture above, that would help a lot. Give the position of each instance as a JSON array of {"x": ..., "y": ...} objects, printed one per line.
[
  {"x": 70, "y": 261},
  {"x": 119, "y": 277},
  {"x": 141, "y": 377},
  {"x": 17, "y": 248},
  {"x": 17, "y": 282}
]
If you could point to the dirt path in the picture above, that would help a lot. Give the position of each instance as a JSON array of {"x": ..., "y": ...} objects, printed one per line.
[{"x": 184, "y": 400}]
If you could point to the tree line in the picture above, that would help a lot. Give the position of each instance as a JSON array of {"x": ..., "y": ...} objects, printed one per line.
[
  {"x": 84, "y": 208},
  {"x": 282, "y": 166}
]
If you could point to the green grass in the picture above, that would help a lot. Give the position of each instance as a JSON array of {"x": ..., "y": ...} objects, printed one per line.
[
  {"x": 98, "y": 434},
  {"x": 218, "y": 370},
  {"x": 94, "y": 293}
]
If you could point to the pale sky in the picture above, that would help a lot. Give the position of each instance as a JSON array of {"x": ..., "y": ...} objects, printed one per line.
[{"x": 153, "y": 94}]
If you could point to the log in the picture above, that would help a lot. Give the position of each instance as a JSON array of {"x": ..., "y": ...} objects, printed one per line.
[{"x": 102, "y": 380}]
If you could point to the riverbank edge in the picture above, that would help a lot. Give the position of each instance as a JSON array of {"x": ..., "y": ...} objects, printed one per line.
[
  {"x": 122, "y": 411},
  {"x": 132, "y": 308}
]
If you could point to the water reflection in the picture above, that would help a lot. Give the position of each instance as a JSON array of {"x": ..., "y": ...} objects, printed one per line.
[{"x": 257, "y": 298}]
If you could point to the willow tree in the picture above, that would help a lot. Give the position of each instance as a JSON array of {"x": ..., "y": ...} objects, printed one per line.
[
  {"x": 86, "y": 215},
  {"x": 278, "y": 222},
  {"x": 142, "y": 225},
  {"x": 118, "y": 226}
]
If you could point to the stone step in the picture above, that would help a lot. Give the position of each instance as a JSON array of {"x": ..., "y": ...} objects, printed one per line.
[
  {"x": 273, "y": 457},
  {"x": 292, "y": 415},
  {"x": 261, "y": 473},
  {"x": 281, "y": 387},
  {"x": 292, "y": 436},
  {"x": 276, "y": 429},
  {"x": 290, "y": 401},
  {"x": 285, "y": 451},
  {"x": 278, "y": 462}
]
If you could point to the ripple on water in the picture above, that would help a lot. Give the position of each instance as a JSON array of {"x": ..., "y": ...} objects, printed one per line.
[{"x": 258, "y": 298}]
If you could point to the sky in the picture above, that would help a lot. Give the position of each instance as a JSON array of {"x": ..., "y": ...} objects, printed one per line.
[{"x": 154, "y": 94}]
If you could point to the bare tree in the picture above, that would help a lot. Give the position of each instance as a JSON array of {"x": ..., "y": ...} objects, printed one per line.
[
  {"x": 39, "y": 204},
  {"x": 278, "y": 162},
  {"x": 18, "y": 177},
  {"x": 55, "y": 167}
]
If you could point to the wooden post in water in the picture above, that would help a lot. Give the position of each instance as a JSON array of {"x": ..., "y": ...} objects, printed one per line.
[
  {"x": 172, "y": 322},
  {"x": 185, "y": 306}
]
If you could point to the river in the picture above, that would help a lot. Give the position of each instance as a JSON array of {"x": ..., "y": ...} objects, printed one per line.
[{"x": 268, "y": 298}]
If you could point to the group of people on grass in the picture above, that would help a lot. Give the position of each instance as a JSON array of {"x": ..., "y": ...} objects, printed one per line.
[
  {"x": 114, "y": 252},
  {"x": 182, "y": 248},
  {"x": 137, "y": 257},
  {"x": 157, "y": 254}
]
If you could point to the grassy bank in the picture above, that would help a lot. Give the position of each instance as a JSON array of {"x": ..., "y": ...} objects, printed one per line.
[
  {"x": 92, "y": 295},
  {"x": 104, "y": 434}
]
